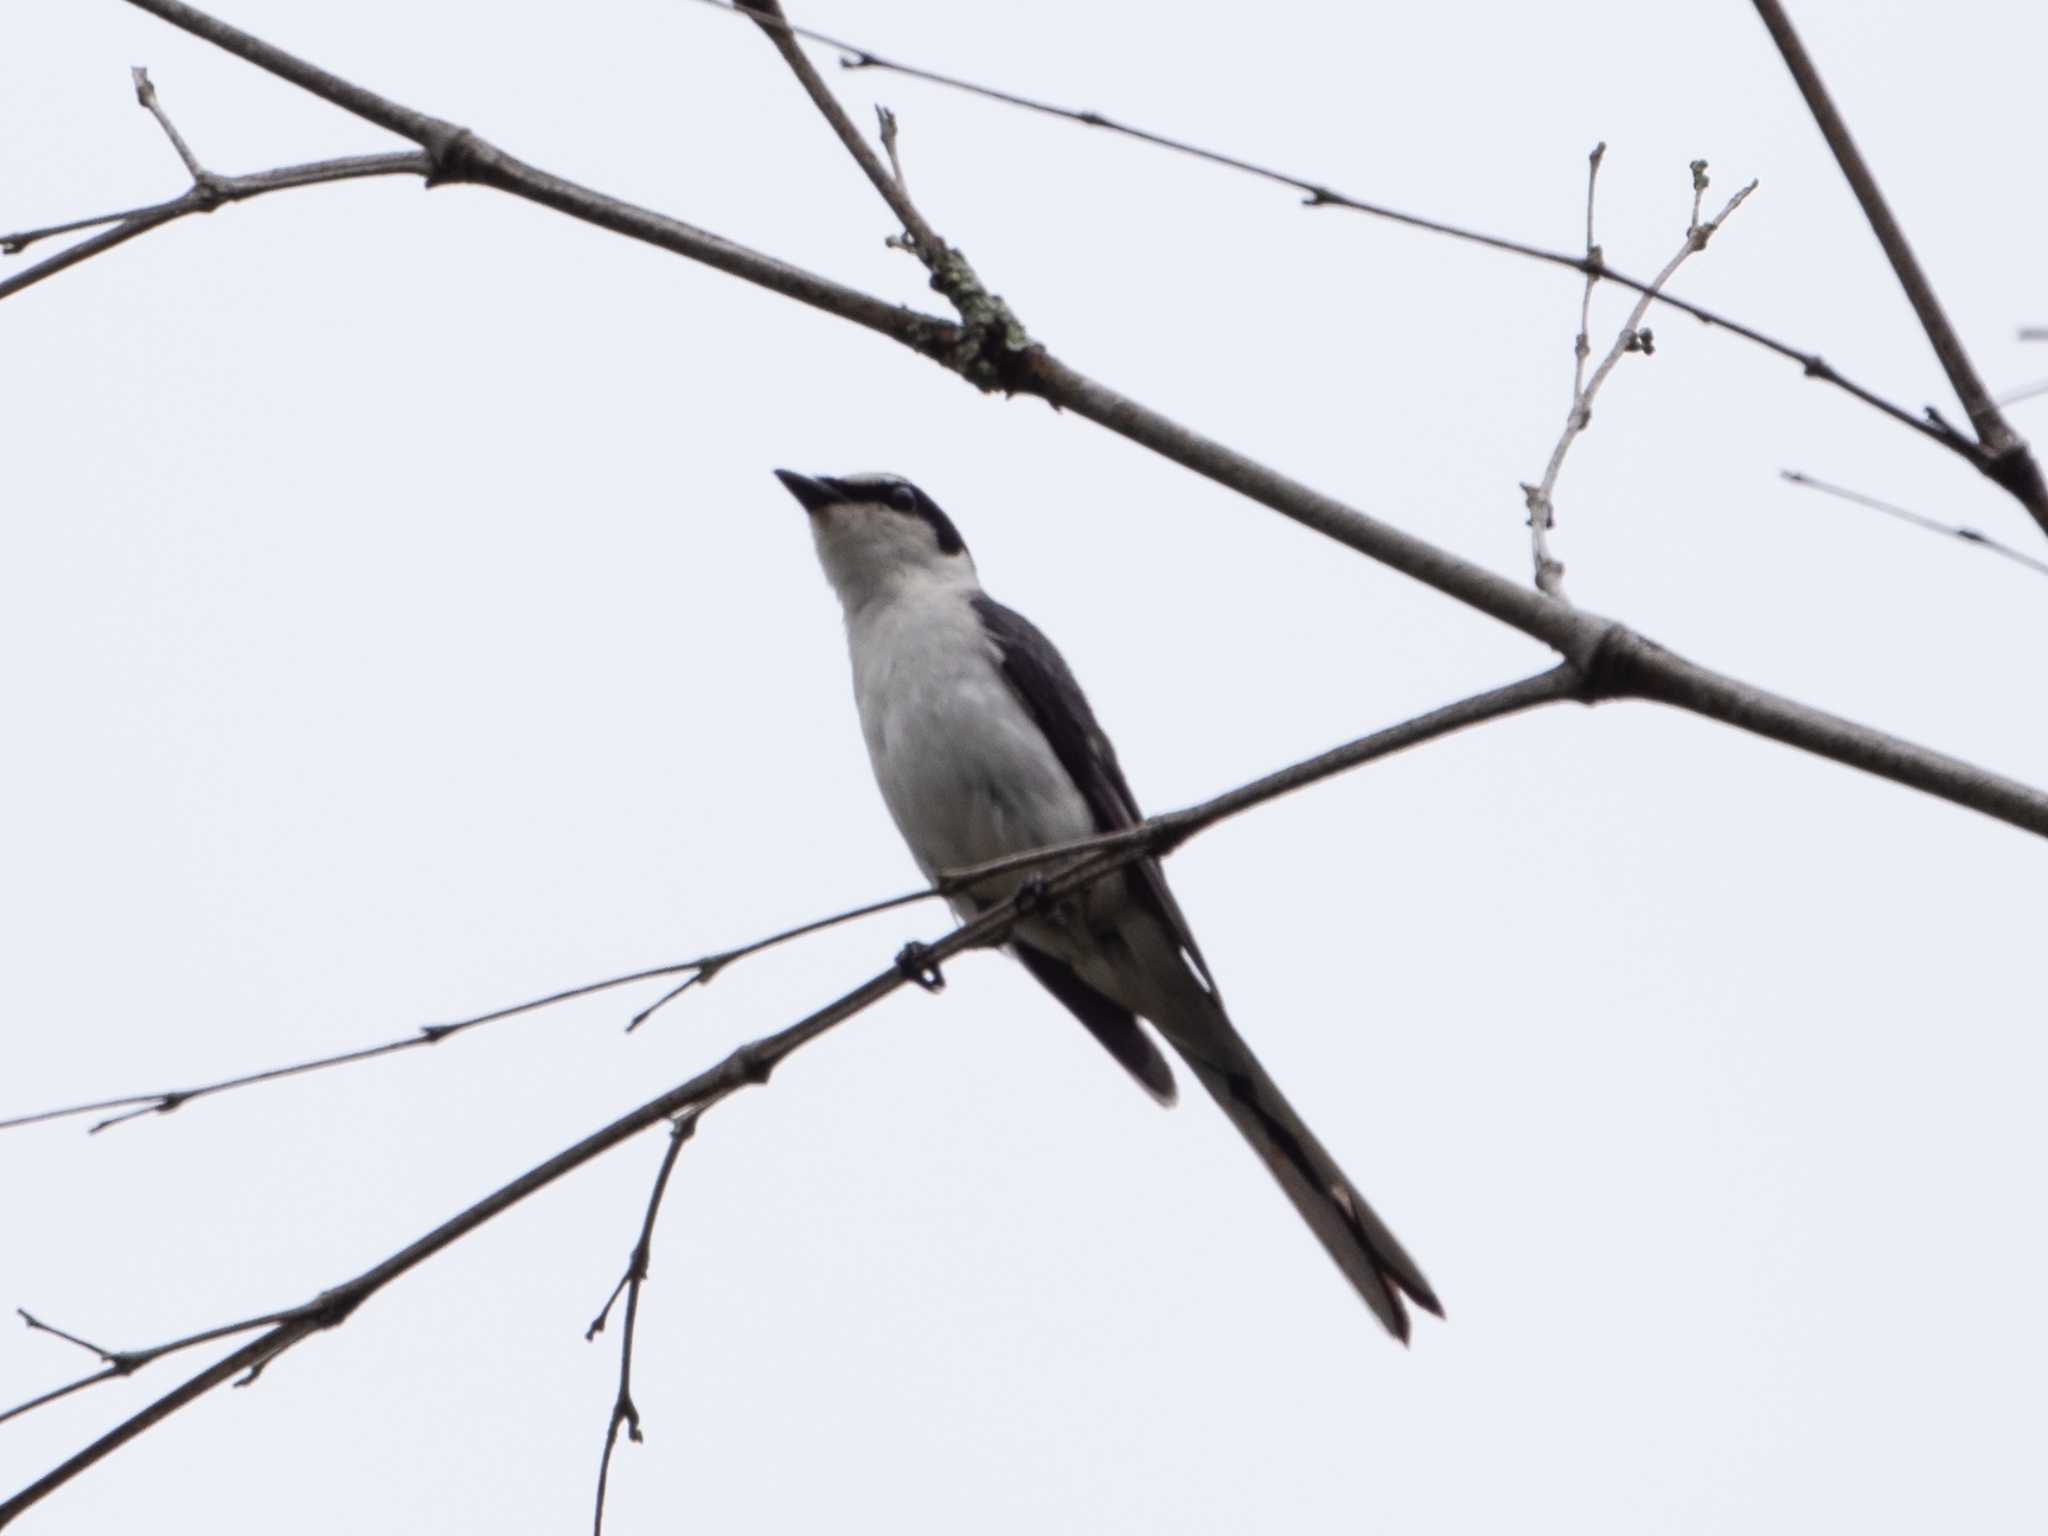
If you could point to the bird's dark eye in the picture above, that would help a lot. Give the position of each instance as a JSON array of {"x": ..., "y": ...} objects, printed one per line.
[{"x": 903, "y": 498}]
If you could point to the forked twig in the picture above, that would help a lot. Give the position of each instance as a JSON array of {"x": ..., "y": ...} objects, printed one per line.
[
  {"x": 209, "y": 190},
  {"x": 1539, "y": 500},
  {"x": 624, "y": 1410}
]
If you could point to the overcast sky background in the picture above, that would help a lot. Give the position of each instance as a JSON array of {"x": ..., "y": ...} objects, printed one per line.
[{"x": 400, "y": 620}]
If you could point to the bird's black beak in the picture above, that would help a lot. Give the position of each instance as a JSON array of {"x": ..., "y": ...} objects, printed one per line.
[{"x": 814, "y": 493}]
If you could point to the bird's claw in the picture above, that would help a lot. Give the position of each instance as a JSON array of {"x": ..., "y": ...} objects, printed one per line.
[
  {"x": 914, "y": 961},
  {"x": 1030, "y": 895}
]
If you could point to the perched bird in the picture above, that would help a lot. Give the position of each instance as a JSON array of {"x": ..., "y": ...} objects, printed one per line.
[{"x": 984, "y": 745}]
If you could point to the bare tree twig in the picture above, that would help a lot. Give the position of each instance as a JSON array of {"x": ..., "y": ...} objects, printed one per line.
[
  {"x": 217, "y": 191},
  {"x": 887, "y": 121},
  {"x": 1539, "y": 500},
  {"x": 752, "y": 1063},
  {"x": 2024, "y": 392},
  {"x": 22, "y": 239},
  {"x": 1582, "y": 347},
  {"x": 701, "y": 972},
  {"x": 705, "y": 970},
  {"x": 2007, "y": 459},
  {"x": 209, "y": 190},
  {"x": 37, "y": 1325},
  {"x": 126, "y": 1362},
  {"x": 924, "y": 239},
  {"x": 1605, "y": 660},
  {"x": 749, "y": 1065},
  {"x": 44, "y": 1399},
  {"x": 1615, "y": 661},
  {"x": 1612, "y": 659},
  {"x": 1590, "y": 642},
  {"x": 1158, "y": 835},
  {"x": 455, "y": 155},
  {"x": 1318, "y": 195},
  {"x": 624, "y": 1410},
  {"x": 145, "y": 95},
  {"x": 1933, "y": 525},
  {"x": 990, "y": 333},
  {"x": 1549, "y": 570},
  {"x": 705, "y": 967}
]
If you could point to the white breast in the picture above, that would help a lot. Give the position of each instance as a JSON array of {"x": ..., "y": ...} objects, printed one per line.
[{"x": 964, "y": 769}]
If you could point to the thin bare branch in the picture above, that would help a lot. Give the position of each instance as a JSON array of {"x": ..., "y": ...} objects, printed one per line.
[
  {"x": 1967, "y": 535},
  {"x": 1319, "y": 195},
  {"x": 145, "y": 95},
  {"x": 2025, "y": 392},
  {"x": 203, "y": 197},
  {"x": 924, "y": 239},
  {"x": 457, "y": 155},
  {"x": 1604, "y": 660},
  {"x": 1158, "y": 834},
  {"x": 44, "y": 1399},
  {"x": 1540, "y": 500},
  {"x": 209, "y": 190},
  {"x": 126, "y": 1362},
  {"x": 1549, "y": 570},
  {"x": 1614, "y": 660},
  {"x": 2007, "y": 457},
  {"x": 990, "y": 333},
  {"x": 705, "y": 970},
  {"x": 37, "y": 1325},
  {"x": 22, "y": 239},
  {"x": 1582, "y": 346},
  {"x": 624, "y": 1410},
  {"x": 700, "y": 972},
  {"x": 886, "y": 120},
  {"x": 752, "y": 1064}
]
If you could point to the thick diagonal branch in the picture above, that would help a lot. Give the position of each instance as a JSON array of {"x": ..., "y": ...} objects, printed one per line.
[
  {"x": 2008, "y": 459},
  {"x": 1584, "y": 639}
]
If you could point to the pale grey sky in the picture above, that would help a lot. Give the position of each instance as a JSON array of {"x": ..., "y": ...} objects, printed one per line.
[{"x": 401, "y": 621}]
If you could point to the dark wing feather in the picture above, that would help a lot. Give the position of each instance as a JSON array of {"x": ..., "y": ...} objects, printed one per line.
[
  {"x": 1034, "y": 668},
  {"x": 1117, "y": 1028}
]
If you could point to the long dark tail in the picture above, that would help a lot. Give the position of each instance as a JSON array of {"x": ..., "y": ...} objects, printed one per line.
[{"x": 1370, "y": 1256}]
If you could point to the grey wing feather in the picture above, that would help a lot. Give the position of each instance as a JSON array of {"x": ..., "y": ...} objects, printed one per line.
[
  {"x": 1191, "y": 1014},
  {"x": 1042, "y": 680}
]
